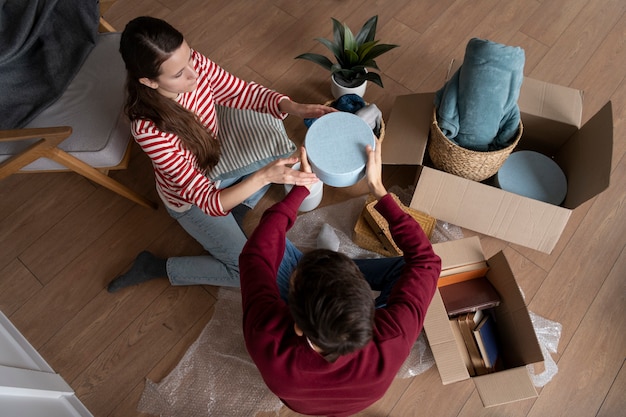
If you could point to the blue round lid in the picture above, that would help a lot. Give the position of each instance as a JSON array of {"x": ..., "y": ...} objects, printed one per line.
[
  {"x": 533, "y": 175},
  {"x": 335, "y": 144}
]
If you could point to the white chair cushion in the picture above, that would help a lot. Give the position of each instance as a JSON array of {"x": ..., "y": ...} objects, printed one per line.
[{"x": 92, "y": 105}]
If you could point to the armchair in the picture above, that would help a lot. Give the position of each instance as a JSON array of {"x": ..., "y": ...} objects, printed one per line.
[{"x": 85, "y": 130}]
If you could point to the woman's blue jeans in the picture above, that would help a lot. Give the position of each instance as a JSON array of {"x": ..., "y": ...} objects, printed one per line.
[{"x": 224, "y": 240}]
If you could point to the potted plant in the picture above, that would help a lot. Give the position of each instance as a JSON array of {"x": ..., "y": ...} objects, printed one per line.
[{"x": 353, "y": 55}]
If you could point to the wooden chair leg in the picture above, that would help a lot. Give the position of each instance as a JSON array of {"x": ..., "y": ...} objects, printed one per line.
[{"x": 98, "y": 177}]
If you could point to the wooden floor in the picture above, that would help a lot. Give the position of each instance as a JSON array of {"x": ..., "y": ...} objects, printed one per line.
[{"x": 62, "y": 238}]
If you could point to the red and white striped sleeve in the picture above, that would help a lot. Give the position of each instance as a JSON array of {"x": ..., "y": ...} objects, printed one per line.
[
  {"x": 230, "y": 91},
  {"x": 177, "y": 177}
]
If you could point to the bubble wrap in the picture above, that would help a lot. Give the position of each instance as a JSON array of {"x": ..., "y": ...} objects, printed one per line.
[
  {"x": 548, "y": 335},
  {"x": 216, "y": 377}
]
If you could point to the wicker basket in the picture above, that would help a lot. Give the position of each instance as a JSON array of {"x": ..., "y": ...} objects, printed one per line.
[
  {"x": 366, "y": 238},
  {"x": 382, "y": 122},
  {"x": 473, "y": 165},
  {"x": 372, "y": 230}
]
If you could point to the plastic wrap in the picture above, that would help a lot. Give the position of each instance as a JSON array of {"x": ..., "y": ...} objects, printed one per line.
[
  {"x": 548, "y": 335},
  {"x": 216, "y": 377}
]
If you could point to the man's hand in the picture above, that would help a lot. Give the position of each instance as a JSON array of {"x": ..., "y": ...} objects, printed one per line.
[
  {"x": 374, "y": 170},
  {"x": 304, "y": 164}
]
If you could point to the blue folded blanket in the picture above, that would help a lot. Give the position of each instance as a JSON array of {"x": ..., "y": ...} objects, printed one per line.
[{"x": 477, "y": 107}]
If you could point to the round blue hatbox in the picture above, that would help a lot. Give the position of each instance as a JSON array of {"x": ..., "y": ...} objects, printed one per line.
[{"x": 335, "y": 145}]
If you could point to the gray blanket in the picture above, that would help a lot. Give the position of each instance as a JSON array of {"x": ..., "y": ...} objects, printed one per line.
[{"x": 43, "y": 43}]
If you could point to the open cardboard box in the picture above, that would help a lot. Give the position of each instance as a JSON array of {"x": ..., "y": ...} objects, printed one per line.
[
  {"x": 518, "y": 341},
  {"x": 551, "y": 115}
]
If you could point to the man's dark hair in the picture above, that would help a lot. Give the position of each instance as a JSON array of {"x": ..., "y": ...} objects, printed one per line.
[{"x": 332, "y": 303}]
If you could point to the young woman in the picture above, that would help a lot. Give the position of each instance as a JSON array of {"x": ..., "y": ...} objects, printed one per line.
[{"x": 172, "y": 91}]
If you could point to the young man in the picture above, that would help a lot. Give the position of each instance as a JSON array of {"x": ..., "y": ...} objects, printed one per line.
[{"x": 330, "y": 351}]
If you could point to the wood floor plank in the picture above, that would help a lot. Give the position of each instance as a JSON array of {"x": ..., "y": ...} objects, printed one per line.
[
  {"x": 618, "y": 102},
  {"x": 573, "y": 283},
  {"x": 594, "y": 356},
  {"x": 17, "y": 285},
  {"x": 420, "y": 19},
  {"x": 601, "y": 76},
  {"x": 68, "y": 237},
  {"x": 12, "y": 190},
  {"x": 128, "y": 405},
  {"x": 579, "y": 41},
  {"x": 613, "y": 405},
  {"x": 144, "y": 342},
  {"x": 449, "y": 32},
  {"x": 41, "y": 212},
  {"x": 278, "y": 57},
  {"x": 549, "y": 21},
  {"x": 427, "y": 396},
  {"x": 83, "y": 278},
  {"x": 258, "y": 26}
]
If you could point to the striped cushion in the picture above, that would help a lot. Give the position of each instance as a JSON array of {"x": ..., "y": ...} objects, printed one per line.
[{"x": 250, "y": 140}]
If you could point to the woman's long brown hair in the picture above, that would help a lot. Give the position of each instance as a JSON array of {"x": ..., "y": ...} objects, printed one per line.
[{"x": 146, "y": 43}]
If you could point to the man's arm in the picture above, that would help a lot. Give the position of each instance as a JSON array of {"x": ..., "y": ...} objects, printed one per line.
[
  {"x": 413, "y": 292},
  {"x": 263, "y": 252}
]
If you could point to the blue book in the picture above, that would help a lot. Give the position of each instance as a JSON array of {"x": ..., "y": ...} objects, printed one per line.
[{"x": 487, "y": 341}]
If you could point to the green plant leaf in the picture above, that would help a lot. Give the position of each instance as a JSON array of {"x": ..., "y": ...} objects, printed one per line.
[
  {"x": 318, "y": 59},
  {"x": 374, "y": 77},
  {"x": 368, "y": 32},
  {"x": 376, "y": 51},
  {"x": 352, "y": 53},
  {"x": 337, "y": 50},
  {"x": 338, "y": 33}
]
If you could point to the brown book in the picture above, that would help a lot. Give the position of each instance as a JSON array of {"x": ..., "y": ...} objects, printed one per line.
[
  {"x": 467, "y": 324},
  {"x": 460, "y": 343},
  {"x": 468, "y": 296}
]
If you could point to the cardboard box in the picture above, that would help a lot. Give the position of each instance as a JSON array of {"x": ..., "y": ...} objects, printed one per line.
[
  {"x": 519, "y": 345},
  {"x": 551, "y": 115}
]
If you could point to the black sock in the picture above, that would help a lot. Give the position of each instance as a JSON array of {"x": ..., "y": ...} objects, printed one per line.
[{"x": 146, "y": 267}]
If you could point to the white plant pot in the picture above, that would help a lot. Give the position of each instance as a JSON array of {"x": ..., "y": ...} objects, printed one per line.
[{"x": 338, "y": 90}]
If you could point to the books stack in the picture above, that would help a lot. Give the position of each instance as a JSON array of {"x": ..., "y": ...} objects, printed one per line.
[
  {"x": 476, "y": 337},
  {"x": 469, "y": 298}
]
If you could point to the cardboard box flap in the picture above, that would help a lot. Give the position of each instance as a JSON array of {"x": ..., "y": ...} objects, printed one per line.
[
  {"x": 586, "y": 158},
  {"x": 443, "y": 344},
  {"x": 489, "y": 210},
  {"x": 515, "y": 328},
  {"x": 551, "y": 101},
  {"x": 505, "y": 386},
  {"x": 406, "y": 132},
  {"x": 460, "y": 252}
]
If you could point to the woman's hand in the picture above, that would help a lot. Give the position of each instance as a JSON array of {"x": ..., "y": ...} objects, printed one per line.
[
  {"x": 278, "y": 172},
  {"x": 374, "y": 170},
  {"x": 305, "y": 111}
]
